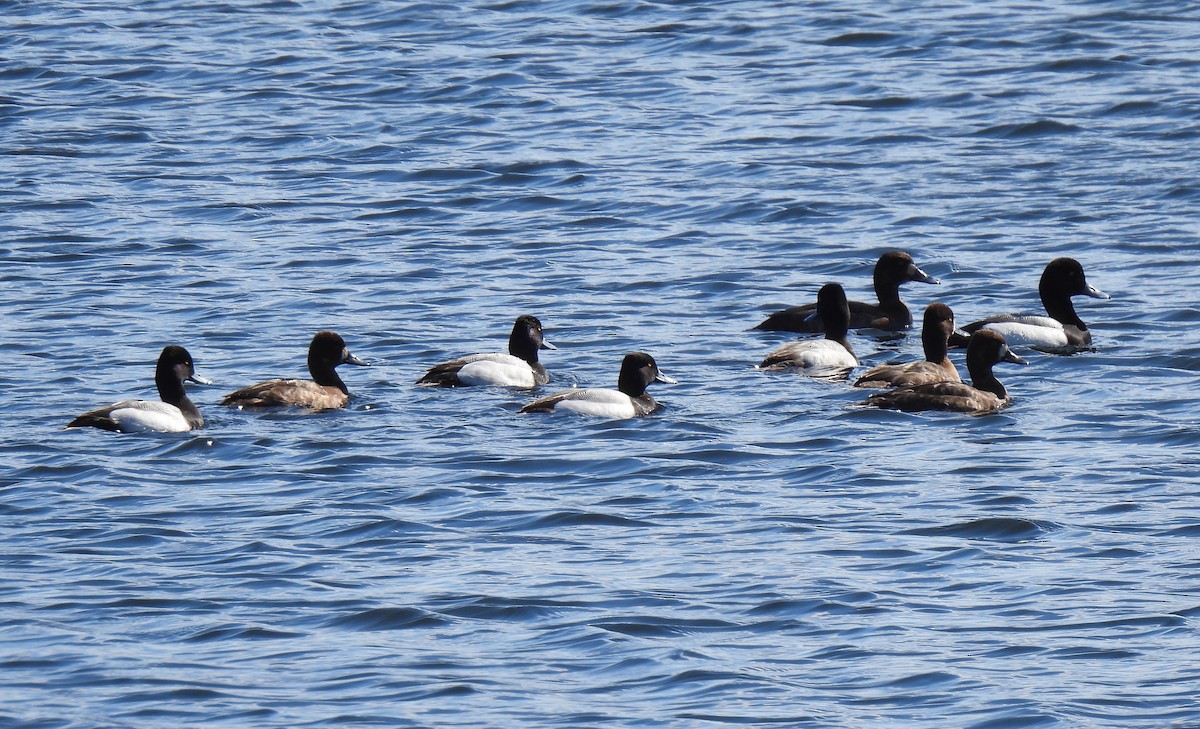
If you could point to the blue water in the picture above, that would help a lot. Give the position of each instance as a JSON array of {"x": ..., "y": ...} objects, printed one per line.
[{"x": 649, "y": 176}]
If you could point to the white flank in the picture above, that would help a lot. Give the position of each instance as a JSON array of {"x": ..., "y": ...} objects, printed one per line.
[
  {"x": 147, "y": 416},
  {"x": 599, "y": 403},
  {"x": 504, "y": 370},
  {"x": 818, "y": 356},
  {"x": 1031, "y": 331}
]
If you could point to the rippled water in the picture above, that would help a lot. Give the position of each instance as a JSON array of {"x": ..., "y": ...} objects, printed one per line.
[{"x": 640, "y": 175}]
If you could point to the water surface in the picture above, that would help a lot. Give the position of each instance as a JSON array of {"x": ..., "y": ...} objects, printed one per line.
[{"x": 649, "y": 176}]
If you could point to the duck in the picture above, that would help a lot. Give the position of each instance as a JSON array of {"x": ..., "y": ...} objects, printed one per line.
[
  {"x": 936, "y": 327},
  {"x": 984, "y": 395},
  {"x": 629, "y": 400},
  {"x": 175, "y": 413},
  {"x": 518, "y": 368},
  {"x": 826, "y": 357},
  {"x": 890, "y": 314},
  {"x": 1062, "y": 331},
  {"x": 324, "y": 391}
]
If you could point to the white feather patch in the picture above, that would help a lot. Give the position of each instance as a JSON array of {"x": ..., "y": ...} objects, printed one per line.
[
  {"x": 818, "y": 356},
  {"x": 598, "y": 402},
  {"x": 147, "y": 416},
  {"x": 1031, "y": 331},
  {"x": 504, "y": 370}
]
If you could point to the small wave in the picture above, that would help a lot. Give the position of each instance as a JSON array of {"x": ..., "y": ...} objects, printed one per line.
[
  {"x": 182, "y": 695},
  {"x": 239, "y": 632},
  {"x": 1001, "y": 529},
  {"x": 1075, "y": 65},
  {"x": 1017, "y": 721},
  {"x": 1040, "y": 128},
  {"x": 865, "y": 38},
  {"x": 392, "y": 618},
  {"x": 883, "y": 102},
  {"x": 923, "y": 680},
  {"x": 649, "y": 627},
  {"x": 564, "y": 519},
  {"x": 506, "y": 609}
]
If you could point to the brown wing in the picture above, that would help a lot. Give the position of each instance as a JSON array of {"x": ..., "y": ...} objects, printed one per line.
[
  {"x": 444, "y": 374},
  {"x": 906, "y": 375},
  {"x": 951, "y": 396},
  {"x": 285, "y": 393},
  {"x": 546, "y": 404}
]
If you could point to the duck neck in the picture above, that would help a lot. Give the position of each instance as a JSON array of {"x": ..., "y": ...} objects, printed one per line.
[
  {"x": 170, "y": 387},
  {"x": 933, "y": 341},
  {"x": 837, "y": 332},
  {"x": 631, "y": 384},
  {"x": 982, "y": 378},
  {"x": 887, "y": 292},
  {"x": 1060, "y": 308},
  {"x": 171, "y": 391},
  {"x": 325, "y": 374},
  {"x": 520, "y": 346}
]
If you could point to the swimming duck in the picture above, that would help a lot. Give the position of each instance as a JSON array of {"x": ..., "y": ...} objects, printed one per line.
[
  {"x": 891, "y": 270},
  {"x": 936, "y": 328},
  {"x": 324, "y": 391},
  {"x": 629, "y": 400},
  {"x": 518, "y": 368},
  {"x": 820, "y": 357},
  {"x": 174, "y": 414},
  {"x": 1062, "y": 331},
  {"x": 985, "y": 394}
]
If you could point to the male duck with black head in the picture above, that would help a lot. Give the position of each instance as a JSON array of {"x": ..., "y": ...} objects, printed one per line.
[
  {"x": 828, "y": 357},
  {"x": 890, "y": 314},
  {"x": 174, "y": 414},
  {"x": 629, "y": 400},
  {"x": 1062, "y": 332},
  {"x": 518, "y": 368},
  {"x": 324, "y": 391},
  {"x": 984, "y": 395},
  {"x": 936, "y": 328}
]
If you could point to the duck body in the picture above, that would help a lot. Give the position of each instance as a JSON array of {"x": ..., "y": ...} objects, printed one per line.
[
  {"x": 594, "y": 401},
  {"x": 629, "y": 400},
  {"x": 518, "y": 368},
  {"x": 324, "y": 391},
  {"x": 936, "y": 328},
  {"x": 1060, "y": 330},
  {"x": 909, "y": 374},
  {"x": 948, "y": 396},
  {"x": 174, "y": 413},
  {"x": 984, "y": 395},
  {"x": 1035, "y": 332},
  {"x": 815, "y": 356},
  {"x": 820, "y": 357},
  {"x": 889, "y": 314},
  {"x": 288, "y": 393},
  {"x": 139, "y": 416}
]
